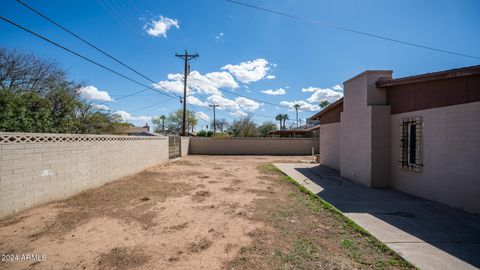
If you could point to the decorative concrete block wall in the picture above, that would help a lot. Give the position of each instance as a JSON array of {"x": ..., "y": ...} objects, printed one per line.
[
  {"x": 36, "y": 168},
  {"x": 252, "y": 146},
  {"x": 185, "y": 145}
]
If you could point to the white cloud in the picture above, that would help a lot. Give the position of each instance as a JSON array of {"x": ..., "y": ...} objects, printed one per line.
[
  {"x": 320, "y": 94},
  {"x": 169, "y": 86},
  {"x": 222, "y": 102},
  {"x": 279, "y": 91},
  {"x": 304, "y": 106},
  {"x": 250, "y": 71},
  {"x": 337, "y": 87},
  {"x": 195, "y": 101},
  {"x": 219, "y": 36},
  {"x": 270, "y": 77},
  {"x": 209, "y": 83},
  {"x": 126, "y": 116},
  {"x": 202, "y": 116},
  {"x": 92, "y": 93},
  {"x": 100, "y": 107},
  {"x": 247, "y": 104},
  {"x": 160, "y": 26},
  {"x": 238, "y": 113}
]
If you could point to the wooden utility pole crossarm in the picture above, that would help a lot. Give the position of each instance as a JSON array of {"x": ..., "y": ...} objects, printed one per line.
[{"x": 186, "y": 57}]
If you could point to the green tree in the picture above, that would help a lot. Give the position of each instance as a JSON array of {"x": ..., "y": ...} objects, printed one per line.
[
  {"x": 159, "y": 122},
  {"x": 285, "y": 118},
  {"x": 173, "y": 121},
  {"x": 36, "y": 96},
  {"x": 279, "y": 118},
  {"x": 244, "y": 127},
  {"x": 266, "y": 127}
]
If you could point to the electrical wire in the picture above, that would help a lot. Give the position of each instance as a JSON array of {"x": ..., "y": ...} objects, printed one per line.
[
  {"x": 81, "y": 56},
  {"x": 338, "y": 27}
]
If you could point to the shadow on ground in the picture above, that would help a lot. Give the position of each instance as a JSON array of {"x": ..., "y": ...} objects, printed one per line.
[{"x": 448, "y": 229}]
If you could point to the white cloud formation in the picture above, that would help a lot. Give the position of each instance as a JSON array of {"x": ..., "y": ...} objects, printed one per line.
[
  {"x": 222, "y": 102},
  {"x": 320, "y": 94},
  {"x": 160, "y": 26},
  {"x": 219, "y": 36},
  {"x": 247, "y": 104},
  {"x": 202, "y": 116},
  {"x": 92, "y": 93},
  {"x": 337, "y": 87},
  {"x": 100, "y": 107},
  {"x": 238, "y": 113},
  {"x": 209, "y": 83},
  {"x": 250, "y": 71},
  {"x": 270, "y": 77},
  {"x": 195, "y": 101},
  {"x": 126, "y": 116},
  {"x": 304, "y": 106},
  {"x": 278, "y": 92}
]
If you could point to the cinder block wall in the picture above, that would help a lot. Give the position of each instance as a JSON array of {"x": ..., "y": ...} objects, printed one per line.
[
  {"x": 451, "y": 156},
  {"x": 252, "y": 146},
  {"x": 36, "y": 168},
  {"x": 330, "y": 145},
  {"x": 185, "y": 145}
]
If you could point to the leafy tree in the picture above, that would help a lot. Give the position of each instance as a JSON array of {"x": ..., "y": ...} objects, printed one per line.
[
  {"x": 35, "y": 96},
  {"x": 173, "y": 122},
  {"x": 266, "y": 127},
  {"x": 204, "y": 133},
  {"x": 324, "y": 103},
  {"x": 221, "y": 124},
  {"x": 244, "y": 127}
]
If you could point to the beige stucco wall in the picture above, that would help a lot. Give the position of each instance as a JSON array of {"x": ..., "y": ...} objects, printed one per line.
[
  {"x": 185, "y": 144},
  {"x": 252, "y": 146},
  {"x": 451, "y": 156},
  {"x": 34, "y": 171},
  {"x": 359, "y": 126},
  {"x": 330, "y": 145}
]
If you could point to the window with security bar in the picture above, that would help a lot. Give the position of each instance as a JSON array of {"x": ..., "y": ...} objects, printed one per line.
[{"x": 411, "y": 144}]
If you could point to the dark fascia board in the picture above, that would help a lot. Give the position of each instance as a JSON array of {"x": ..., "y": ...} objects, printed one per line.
[
  {"x": 440, "y": 75},
  {"x": 328, "y": 108}
]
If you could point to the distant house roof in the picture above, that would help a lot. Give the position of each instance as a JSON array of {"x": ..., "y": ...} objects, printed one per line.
[
  {"x": 327, "y": 109},
  {"x": 445, "y": 74}
]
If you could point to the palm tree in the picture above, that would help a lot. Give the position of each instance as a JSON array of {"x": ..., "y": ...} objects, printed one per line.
[
  {"x": 162, "y": 117},
  {"x": 296, "y": 107},
  {"x": 285, "y": 118},
  {"x": 324, "y": 103},
  {"x": 279, "y": 118}
]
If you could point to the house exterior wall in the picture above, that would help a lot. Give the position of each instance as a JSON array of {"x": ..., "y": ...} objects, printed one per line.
[
  {"x": 360, "y": 125},
  {"x": 330, "y": 145},
  {"x": 451, "y": 155},
  {"x": 252, "y": 146},
  {"x": 37, "y": 168}
]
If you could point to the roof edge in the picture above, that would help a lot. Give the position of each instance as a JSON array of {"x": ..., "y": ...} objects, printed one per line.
[{"x": 439, "y": 75}]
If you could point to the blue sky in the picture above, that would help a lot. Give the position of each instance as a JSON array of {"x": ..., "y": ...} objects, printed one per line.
[{"x": 241, "y": 49}]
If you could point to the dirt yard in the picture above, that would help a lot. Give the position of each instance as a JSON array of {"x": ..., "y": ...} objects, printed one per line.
[{"x": 201, "y": 212}]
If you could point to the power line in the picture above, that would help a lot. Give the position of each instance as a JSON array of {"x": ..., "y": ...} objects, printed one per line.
[
  {"x": 86, "y": 42},
  {"x": 338, "y": 27},
  {"x": 81, "y": 56},
  {"x": 151, "y": 105}
]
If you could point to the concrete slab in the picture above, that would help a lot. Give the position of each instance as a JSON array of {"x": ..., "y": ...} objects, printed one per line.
[{"x": 427, "y": 234}]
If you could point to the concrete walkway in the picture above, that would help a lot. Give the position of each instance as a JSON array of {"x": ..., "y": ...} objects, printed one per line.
[{"x": 427, "y": 234}]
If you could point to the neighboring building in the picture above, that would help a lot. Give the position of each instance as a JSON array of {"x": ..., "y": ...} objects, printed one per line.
[
  {"x": 418, "y": 134},
  {"x": 136, "y": 131},
  {"x": 309, "y": 131}
]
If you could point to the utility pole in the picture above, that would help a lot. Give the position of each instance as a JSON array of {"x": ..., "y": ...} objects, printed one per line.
[
  {"x": 296, "y": 106},
  {"x": 186, "y": 57},
  {"x": 214, "y": 121}
]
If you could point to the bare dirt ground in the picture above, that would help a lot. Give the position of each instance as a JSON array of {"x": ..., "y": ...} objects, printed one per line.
[{"x": 201, "y": 212}]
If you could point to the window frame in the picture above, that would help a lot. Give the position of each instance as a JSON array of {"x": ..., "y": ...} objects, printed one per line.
[{"x": 411, "y": 131}]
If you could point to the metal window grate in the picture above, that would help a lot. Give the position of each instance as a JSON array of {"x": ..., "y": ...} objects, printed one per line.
[{"x": 411, "y": 131}]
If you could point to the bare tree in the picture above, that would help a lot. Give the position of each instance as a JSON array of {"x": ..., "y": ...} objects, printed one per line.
[{"x": 27, "y": 72}]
